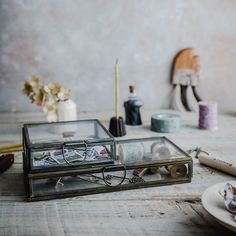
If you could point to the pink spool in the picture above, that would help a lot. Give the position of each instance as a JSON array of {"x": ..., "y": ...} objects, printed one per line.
[{"x": 208, "y": 115}]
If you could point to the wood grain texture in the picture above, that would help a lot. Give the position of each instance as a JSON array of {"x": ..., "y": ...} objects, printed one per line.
[
  {"x": 186, "y": 59},
  {"x": 102, "y": 217},
  {"x": 168, "y": 210}
]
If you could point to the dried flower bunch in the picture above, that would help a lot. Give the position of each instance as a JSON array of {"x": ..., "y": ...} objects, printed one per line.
[{"x": 46, "y": 96}]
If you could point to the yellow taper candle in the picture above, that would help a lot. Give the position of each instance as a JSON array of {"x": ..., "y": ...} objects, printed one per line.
[
  {"x": 117, "y": 89},
  {"x": 11, "y": 148}
]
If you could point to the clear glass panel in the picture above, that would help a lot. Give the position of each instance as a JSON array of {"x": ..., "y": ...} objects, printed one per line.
[
  {"x": 66, "y": 131},
  {"x": 141, "y": 163},
  {"x": 147, "y": 150},
  {"x": 119, "y": 177},
  {"x": 72, "y": 155}
]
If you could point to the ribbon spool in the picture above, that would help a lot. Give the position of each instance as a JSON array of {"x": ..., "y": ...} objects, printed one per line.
[
  {"x": 160, "y": 150},
  {"x": 131, "y": 152},
  {"x": 163, "y": 152},
  {"x": 165, "y": 123},
  {"x": 177, "y": 171},
  {"x": 208, "y": 115}
]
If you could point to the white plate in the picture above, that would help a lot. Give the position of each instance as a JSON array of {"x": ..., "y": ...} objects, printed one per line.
[{"x": 213, "y": 202}]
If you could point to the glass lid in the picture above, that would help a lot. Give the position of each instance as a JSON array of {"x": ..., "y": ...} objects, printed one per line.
[
  {"x": 146, "y": 150},
  {"x": 60, "y": 132}
]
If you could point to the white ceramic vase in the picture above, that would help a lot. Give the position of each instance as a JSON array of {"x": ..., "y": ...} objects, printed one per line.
[{"x": 66, "y": 110}]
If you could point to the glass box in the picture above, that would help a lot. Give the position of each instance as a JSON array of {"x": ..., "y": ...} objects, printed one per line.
[
  {"x": 66, "y": 145},
  {"x": 89, "y": 160}
]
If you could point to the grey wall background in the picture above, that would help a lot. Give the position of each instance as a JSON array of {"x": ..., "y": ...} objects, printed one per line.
[{"x": 75, "y": 42}]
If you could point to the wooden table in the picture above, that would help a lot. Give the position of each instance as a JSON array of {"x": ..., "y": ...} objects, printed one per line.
[{"x": 168, "y": 210}]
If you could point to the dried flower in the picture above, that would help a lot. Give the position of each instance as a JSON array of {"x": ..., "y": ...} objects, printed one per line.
[
  {"x": 63, "y": 94},
  {"x": 31, "y": 85},
  {"x": 38, "y": 97},
  {"x": 52, "y": 88},
  {"x": 46, "y": 96}
]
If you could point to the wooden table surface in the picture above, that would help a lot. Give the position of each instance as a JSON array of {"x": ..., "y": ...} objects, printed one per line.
[{"x": 168, "y": 210}]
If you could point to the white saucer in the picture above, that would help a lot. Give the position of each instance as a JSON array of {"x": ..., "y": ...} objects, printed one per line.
[{"x": 213, "y": 202}]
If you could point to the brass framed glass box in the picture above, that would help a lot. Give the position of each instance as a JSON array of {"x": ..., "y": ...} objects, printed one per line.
[
  {"x": 67, "y": 159},
  {"x": 66, "y": 145}
]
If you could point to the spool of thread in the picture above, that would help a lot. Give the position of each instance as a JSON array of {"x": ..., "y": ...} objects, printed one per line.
[
  {"x": 149, "y": 156},
  {"x": 131, "y": 152},
  {"x": 162, "y": 151},
  {"x": 140, "y": 172},
  {"x": 177, "y": 171},
  {"x": 165, "y": 123},
  {"x": 208, "y": 115}
]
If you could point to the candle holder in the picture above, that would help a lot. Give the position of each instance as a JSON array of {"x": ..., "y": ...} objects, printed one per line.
[{"x": 117, "y": 127}]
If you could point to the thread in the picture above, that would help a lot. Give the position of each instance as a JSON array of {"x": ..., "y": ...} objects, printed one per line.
[
  {"x": 177, "y": 171},
  {"x": 130, "y": 152},
  {"x": 150, "y": 156},
  {"x": 162, "y": 151},
  {"x": 208, "y": 115}
]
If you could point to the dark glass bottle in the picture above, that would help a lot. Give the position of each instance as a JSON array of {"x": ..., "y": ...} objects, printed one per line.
[{"x": 132, "y": 108}]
